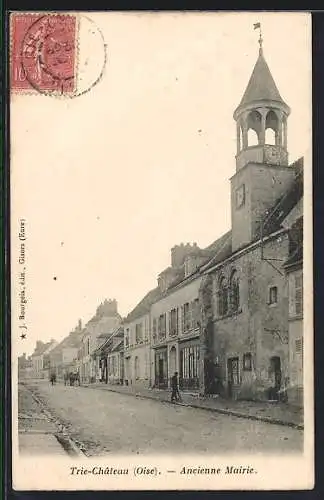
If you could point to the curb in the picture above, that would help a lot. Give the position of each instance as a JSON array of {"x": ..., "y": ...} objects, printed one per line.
[
  {"x": 62, "y": 437},
  {"x": 268, "y": 420}
]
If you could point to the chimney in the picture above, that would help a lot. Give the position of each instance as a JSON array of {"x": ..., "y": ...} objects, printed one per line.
[
  {"x": 180, "y": 252},
  {"x": 109, "y": 307}
]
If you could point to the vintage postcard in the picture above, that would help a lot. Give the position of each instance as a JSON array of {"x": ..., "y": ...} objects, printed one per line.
[{"x": 161, "y": 251}]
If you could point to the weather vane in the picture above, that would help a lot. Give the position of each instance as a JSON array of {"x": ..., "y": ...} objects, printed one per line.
[{"x": 257, "y": 26}]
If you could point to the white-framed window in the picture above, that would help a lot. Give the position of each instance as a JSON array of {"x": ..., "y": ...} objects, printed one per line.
[
  {"x": 138, "y": 332},
  {"x": 186, "y": 317},
  {"x": 173, "y": 322},
  {"x": 162, "y": 326},
  {"x": 195, "y": 313}
]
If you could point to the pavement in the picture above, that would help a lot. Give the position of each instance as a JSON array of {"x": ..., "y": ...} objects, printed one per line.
[
  {"x": 270, "y": 412},
  {"x": 102, "y": 422},
  {"x": 38, "y": 434}
]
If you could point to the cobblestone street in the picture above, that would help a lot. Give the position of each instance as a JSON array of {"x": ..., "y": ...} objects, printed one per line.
[{"x": 102, "y": 422}]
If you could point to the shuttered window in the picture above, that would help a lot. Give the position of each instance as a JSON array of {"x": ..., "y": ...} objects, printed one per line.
[
  {"x": 299, "y": 294},
  {"x": 173, "y": 322}
]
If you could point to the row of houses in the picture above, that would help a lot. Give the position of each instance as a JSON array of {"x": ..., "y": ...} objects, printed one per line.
[{"x": 229, "y": 317}]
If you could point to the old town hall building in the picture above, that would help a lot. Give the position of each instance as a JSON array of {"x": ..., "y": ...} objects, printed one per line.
[
  {"x": 229, "y": 317},
  {"x": 220, "y": 315}
]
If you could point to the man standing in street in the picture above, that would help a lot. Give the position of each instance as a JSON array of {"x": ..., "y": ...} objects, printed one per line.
[{"x": 175, "y": 396}]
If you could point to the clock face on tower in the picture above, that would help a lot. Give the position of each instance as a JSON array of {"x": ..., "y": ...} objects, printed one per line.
[
  {"x": 272, "y": 155},
  {"x": 240, "y": 196}
]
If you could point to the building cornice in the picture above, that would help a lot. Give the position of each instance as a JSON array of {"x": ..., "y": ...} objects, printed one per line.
[{"x": 245, "y": 250}]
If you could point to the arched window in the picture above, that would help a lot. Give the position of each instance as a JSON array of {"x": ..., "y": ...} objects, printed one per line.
[
  {"x": 234, "y": 292},
  {"x": 222, "y": 297},
  {"x": 252, "y": 138},
  {"x": 254, "y": 128},
  {"x": 270, "y": 136}
]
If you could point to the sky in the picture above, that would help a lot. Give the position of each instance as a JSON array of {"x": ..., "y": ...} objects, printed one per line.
[{"x": 109, "y": 181}]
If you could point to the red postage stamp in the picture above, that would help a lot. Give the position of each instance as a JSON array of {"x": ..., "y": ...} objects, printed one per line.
[{"x": 43, "y": 52}]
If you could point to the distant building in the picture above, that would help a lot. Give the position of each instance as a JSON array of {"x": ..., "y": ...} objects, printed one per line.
[
  {"x": 109, "y": 357},
  {"x": 137, "y": 342},
  {"x": 101, "y": 326},
  {"x": 63, "y": 358},
  {"x": 25, "y": 367},
  {"x": 40, "y": 360}
]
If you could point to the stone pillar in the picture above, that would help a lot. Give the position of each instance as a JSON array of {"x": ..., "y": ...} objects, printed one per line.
[
  {"x": 285, "y": 133},
  {"x": 245, "y": 136},
  {"x": 238, "y": 137},
  {"x": 279, "y": 134},
  {"x": 244, "y": 127},
  {"x": 263, "y": 126}
]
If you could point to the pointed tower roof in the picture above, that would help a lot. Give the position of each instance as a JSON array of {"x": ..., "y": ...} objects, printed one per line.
[{"x": 261, "y": 86}]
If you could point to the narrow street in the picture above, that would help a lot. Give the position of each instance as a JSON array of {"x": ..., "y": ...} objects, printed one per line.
[{"x": 103, "y": 422}]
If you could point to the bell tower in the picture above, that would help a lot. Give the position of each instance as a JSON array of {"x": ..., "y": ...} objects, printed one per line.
[
  {"x": 261, "y": 119},
  {"x": 262, "y": 171}
]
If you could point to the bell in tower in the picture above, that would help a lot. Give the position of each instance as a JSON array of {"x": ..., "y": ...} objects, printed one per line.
[{"x": 261, "y": 119}]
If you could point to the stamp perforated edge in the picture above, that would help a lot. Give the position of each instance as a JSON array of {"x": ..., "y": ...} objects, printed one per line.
[{"x": 46, "y": 93}]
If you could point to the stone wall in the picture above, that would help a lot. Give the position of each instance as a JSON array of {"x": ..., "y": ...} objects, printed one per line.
[{"x": 257, "y": 327}]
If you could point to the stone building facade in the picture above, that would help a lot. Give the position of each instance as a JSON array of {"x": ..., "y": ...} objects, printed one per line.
[
  {"x": 175, "y": 317},
  {"x": 109, "y": 358},
  {"x": 137, "y": 342},
  {"x": 99, "y": 327},
  {"x": 294, "y": 272},
  {"x": 40, "y": 358},
  {"x": 62, "y": 359}
]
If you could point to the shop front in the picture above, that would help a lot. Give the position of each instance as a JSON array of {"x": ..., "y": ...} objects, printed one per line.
[
  {"x": 161, "y": 368},
  {"x": 189, "y": 365}
]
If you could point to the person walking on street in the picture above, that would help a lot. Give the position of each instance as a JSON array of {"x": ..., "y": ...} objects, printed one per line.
[
  {"x": 175, "y": 396},
  {"x": 53, "y": 378}
]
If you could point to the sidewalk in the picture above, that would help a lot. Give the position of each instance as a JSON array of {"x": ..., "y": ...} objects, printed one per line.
[
  {"x": 38, "y": 435},
  {"x": 273, "y": 413}
]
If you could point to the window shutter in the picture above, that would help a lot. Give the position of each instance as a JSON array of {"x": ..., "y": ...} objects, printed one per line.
[
  {"x": 170, "y": 323},
  {"x": 182, "y": 319},
  {"x": 191, "y": 315},
  {"x": 177, "y": 321}
]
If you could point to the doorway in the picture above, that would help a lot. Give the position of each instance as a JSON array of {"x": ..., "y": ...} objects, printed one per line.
[
  {"x": 233, "y": 375},
  {"x": 173, "y": 360},
  {"x": 275, "y": 371},
  {"x": 161, "y": 373}
]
